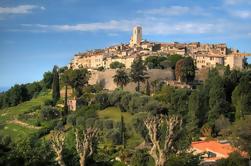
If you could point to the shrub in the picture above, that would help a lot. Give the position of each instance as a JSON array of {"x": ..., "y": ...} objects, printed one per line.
[
  {"x": 115, "y": 97},
  {"x": 139, "y": 158},
  {"x": 139, "y": 126},
  {"x": 71, "y": 119},
  {"x": 137, "y": 103},
  {"x": 154, "y": 107},
  {"x": 49, "y": 112},
  {"x": 233, "y": 159},
  {"x": 102, "y": 99},
  {"x": 48, "y": 102},
  {"x": 90, "y": 122},
  {"x": 116, "y": 65},
  {"x": 124, "y": 102},
  {"x": 114, "y": 136},
  {"x": 108, "y": 124}
]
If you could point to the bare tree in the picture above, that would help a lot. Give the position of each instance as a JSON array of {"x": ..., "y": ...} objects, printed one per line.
[
  {"x": 57, "y": 142},
  {"x": 153, "y": 124},
  {"x": 85, "y": 143}
]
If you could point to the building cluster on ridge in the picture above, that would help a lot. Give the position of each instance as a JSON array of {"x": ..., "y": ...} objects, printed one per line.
[{"x": 204, "y": 55}]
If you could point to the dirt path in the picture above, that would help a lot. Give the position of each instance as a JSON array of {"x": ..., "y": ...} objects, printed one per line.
[{"x": 18, "y": 122}]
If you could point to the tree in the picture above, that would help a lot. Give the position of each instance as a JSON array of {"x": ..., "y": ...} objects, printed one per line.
[
  {"x": 241, "y": 134},
  {"x": 193, "y": 111},
  {"x": 231, "y": 80},
  {"x": 153, "y": 62},
  {"x": 47, "y": 80},
  {"x": 66, "y": 79},
  {"x": 121, "y": 78},
  {"x": 16, "y": 95},
  {"x": 85, "y": 144},
  {"x": 78, "y": 79},
  {"x": 241, "y": 98},
  {"x": 234, "y": 159},
  {"x": 173, "y": 126},
  {"x": 57, "y": 143},
  {"x": 117, "y": 65},
  {"x": 138, "y": 72},
  {"x": 148, "y": 88},
  {"x": 173, "y": 59},
  {"x": 217, "y": 100},
  {"x": 122, "y": 131},
  {"x": 55, "y": 85},
  {"x": 185, "y": 70}
]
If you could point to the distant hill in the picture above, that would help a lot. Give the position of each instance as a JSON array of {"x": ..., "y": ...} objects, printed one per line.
[{"x": 3, "y": 88}]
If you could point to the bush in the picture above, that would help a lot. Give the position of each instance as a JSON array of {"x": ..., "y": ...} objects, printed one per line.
[
  {"x": 102, "y": 99},
  {"x": 114, "y": 136},
  {"x": 115, "y": 97},
  {"x": 139, "y": 126},
  {"x": 49, "y": 112},
  {"x": 85, "y": 99},
  {"x": 48, "y": 102},
  {"x": 116, "y": 65},
  {"x": 183, "y": 159},
  {"x": 139, "y": 158},
  {"x": 233, "y": 159},
  {"x": 137, "y": 103},
  {"x": 124, "y": 102},
  {"x": 80, "y": 121},
  {"x": 108, "y": 124},
  {"x": 90, "y": 122},
  {"x": 71, "y": 119}
]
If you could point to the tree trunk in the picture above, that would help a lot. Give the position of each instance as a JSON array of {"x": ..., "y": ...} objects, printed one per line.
[
  {"x": 60, "y": 160},
  {"x": 162, "y": 159},
  {"x": 65, "y": 101},
  {"x": 82, "y": 161},
  {"x": 138, "y": 86}
]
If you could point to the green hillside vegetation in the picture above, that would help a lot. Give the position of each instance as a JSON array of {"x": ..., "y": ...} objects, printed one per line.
[
  {"x": 153, "y": 126},
  {"x": 8, "y": 115},
  {"x": 114, "y": 114}
]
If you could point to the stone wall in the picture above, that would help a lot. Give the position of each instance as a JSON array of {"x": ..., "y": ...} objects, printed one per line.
[{"x": 106, "y": 77}]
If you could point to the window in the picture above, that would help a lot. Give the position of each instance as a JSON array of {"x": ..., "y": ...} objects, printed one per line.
[{"x": 211, "y": 154}]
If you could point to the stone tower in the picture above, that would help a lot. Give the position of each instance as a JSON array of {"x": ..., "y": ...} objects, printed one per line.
[{"x": 136, "y": 37}]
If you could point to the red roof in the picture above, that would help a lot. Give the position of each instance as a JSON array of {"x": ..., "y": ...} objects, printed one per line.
[{"x": 222, "y": 149}]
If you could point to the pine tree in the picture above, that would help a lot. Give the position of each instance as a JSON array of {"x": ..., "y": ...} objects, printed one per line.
[
  {"x": 55, "y": 85},
  {"x": 138, "y": 72}
]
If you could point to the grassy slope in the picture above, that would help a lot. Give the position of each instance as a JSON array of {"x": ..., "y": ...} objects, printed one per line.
[
  {"x": 113, "y": 113},
  {"x": 13, "y": 130}
]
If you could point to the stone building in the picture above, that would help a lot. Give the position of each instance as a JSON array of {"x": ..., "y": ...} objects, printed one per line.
[
  {"x": 204, "y": 55},
  {"x": 136, "y": 37}
]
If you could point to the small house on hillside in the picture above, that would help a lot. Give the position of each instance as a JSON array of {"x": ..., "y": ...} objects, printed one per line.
[{"x": 214, "y": 150}]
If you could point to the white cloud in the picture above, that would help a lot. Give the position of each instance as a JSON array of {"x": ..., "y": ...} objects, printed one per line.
[
  {"x": 22, "y": 9},
  {"x": 241, "y": 14},
  {"x": 112, "y": 25},
  {"x": 234, "y": 2},
  {"x": 174, "y": 11},
  {"x": 150, "y": 27}
]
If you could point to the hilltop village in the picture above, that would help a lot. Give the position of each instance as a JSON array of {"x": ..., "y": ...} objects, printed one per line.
[{"x": 204, "y": 55}]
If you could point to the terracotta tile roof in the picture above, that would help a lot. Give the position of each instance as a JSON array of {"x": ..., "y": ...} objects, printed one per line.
[{"x": 214, "y": 146}]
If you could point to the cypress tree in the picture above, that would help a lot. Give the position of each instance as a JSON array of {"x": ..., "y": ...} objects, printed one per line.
[
  {"x": 55, "y": 85},
  {"x": 122, "y": 132},
  {"x": 148, "y": 89}
]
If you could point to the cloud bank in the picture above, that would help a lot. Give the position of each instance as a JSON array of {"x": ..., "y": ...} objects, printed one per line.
[{"x": 21, "y": 9}]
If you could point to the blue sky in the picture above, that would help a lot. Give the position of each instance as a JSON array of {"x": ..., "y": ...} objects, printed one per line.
[{"x": 36, "y": 34}]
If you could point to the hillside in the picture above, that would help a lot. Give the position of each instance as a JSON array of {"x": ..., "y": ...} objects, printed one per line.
[{"x": 17, "y": 129}]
